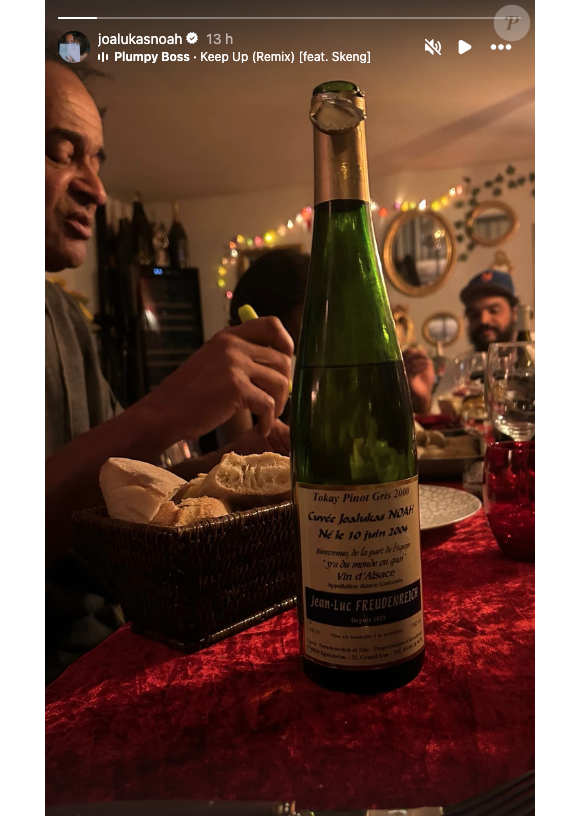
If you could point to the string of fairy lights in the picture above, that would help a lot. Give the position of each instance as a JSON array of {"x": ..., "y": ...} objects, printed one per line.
[{"x": 303, "y": 219}]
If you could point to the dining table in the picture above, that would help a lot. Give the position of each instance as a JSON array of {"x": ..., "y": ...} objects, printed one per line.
[{"x": 135, "y": 720}]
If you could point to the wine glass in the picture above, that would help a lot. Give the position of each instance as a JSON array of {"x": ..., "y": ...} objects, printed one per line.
[
  {"x": 471, "y": 370},
  {"x": 509, "y": 497},
  {"x": 470, "y": 385},
  {"x": 510, "y": 386}
]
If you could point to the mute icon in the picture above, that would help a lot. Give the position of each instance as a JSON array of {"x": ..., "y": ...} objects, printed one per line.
[{"x": 432, "y": 47}]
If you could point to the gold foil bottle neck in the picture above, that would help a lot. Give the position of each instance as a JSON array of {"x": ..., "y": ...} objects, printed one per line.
[{"x": 340, "y": 158}]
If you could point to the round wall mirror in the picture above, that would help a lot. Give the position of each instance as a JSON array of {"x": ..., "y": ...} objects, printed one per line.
[
  {"x": 491, "y": 223},
  {"x": 442, "y": 327},
  {"x": 419, "y": 252}
]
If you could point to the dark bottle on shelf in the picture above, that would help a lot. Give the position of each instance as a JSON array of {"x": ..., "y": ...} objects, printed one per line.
[
  {"x": 112, "y": 239},
  {"x": 178, "y": 243},
  {"x": 354, "y": 466},
  {"x": 160, "y": 243},
  {"x": 142, "y": 234},
  {"x": 124, "y": 243}
]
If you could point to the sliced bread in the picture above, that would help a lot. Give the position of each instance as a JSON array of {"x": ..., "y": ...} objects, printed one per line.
[
  {"x": 135, "y": 491},
  {"x": 249, "y": 481}
]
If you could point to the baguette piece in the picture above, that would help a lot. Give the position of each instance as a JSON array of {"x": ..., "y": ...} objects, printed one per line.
[
  {"x": 249, "y": 481},
  {"x": 193, "y": 489},
  {"x": 135, "y": 491},
  {"x": 189, "y": 511},
  {"x": 420, "y": 434},
  {"x": 436, "y": 438},
  {"x": 424, "y": 438}
]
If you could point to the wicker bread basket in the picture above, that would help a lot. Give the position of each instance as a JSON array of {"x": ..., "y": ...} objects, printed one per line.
[{"x": 189, "y": 587}]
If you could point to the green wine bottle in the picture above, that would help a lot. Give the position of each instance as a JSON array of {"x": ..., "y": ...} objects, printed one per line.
[{"x": 354, "y": 467}]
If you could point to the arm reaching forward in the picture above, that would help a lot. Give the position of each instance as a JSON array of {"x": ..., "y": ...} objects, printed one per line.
[
  {"x": 421, "y": 376},
  {"x": 243, "y": 367}
]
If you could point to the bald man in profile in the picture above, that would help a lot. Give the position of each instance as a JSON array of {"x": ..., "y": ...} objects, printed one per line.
[{"x": 243, "y": 367}]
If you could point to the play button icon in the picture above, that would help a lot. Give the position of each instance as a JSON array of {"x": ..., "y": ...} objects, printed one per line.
[{"x": 464, "y": 46}]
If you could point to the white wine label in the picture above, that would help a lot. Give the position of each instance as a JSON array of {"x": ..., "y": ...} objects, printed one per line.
[{"x": 361, "y": 573}]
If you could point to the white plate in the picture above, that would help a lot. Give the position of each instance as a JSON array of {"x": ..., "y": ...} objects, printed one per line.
[{"x": 440, "y": 506}]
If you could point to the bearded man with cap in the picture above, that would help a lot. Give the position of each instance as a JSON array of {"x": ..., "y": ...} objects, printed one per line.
[
  {"x": 491, "y": 311},
  {"x": 490, "y": 308}
]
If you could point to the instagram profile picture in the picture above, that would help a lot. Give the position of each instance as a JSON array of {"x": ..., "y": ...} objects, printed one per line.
[{"x": 74, "y": 46}]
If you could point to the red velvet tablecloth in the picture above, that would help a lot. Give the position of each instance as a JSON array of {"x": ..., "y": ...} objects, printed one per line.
[{"x": 136, "y": 720}]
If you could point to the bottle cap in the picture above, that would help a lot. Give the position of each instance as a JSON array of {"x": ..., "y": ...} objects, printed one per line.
[{"x": 337, "y": 107}]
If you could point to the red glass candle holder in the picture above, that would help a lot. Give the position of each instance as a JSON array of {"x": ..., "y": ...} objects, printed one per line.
[{"x": 509, "y": 497}]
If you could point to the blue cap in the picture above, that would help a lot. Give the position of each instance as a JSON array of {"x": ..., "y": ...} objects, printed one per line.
[{"x": 490, "y": 282}]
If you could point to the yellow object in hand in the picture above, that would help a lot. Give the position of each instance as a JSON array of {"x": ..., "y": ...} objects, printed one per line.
[{"x": 246, "y": 313}]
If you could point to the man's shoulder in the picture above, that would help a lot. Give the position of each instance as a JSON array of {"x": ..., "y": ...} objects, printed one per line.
[
  {"x": 54, "y": 293},
  {"x": 61, "y": 304}
]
